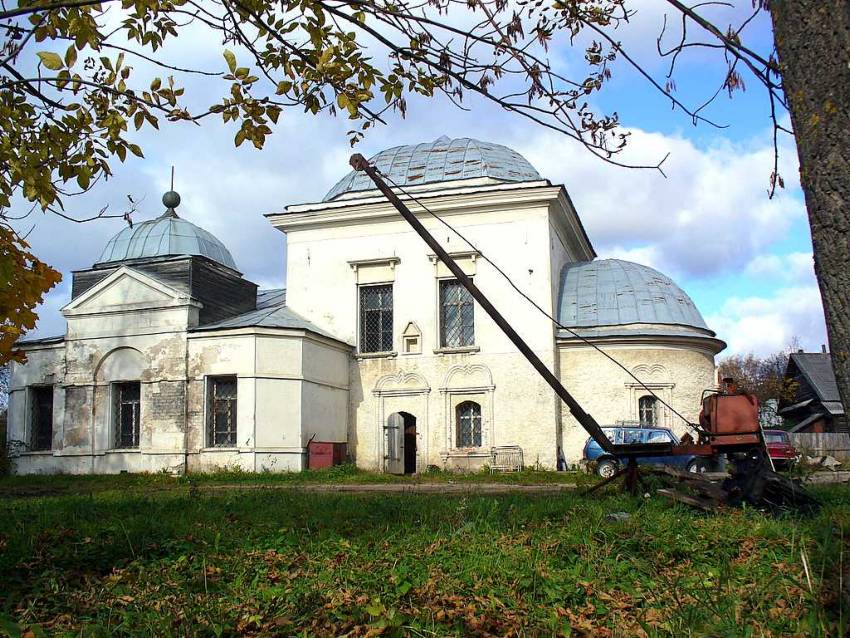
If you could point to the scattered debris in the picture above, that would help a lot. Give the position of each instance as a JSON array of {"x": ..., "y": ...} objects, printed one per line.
[
  {"x": 616, "y": 517},
  {"x": 829, "y": 462}
]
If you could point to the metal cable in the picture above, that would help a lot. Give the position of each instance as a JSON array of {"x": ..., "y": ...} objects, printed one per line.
[{"x": 535, "y": 304}]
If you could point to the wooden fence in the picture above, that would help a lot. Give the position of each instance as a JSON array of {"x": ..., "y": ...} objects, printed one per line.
[{"x": 834, "y": 444}]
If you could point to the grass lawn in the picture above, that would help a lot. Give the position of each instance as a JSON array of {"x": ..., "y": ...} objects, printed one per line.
[{"x": 137, "y": 559}]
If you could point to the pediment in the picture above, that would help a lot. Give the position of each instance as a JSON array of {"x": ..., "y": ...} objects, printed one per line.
[{"x": 127, "y": 289}]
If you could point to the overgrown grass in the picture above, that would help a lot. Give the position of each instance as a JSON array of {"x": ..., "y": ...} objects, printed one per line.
[{"x": 227, "y": 563}]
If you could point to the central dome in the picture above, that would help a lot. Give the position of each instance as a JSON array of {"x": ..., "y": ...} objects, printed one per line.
[{"x": 442, "y": 160}]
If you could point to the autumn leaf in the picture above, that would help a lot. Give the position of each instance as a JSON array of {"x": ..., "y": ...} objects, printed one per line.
[{"x": 51, "y": 60}]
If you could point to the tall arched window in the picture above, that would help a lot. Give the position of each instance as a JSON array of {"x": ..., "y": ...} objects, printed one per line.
[
  {"x": 647, "y": 410},
  {"x": 468, "y": 416}
]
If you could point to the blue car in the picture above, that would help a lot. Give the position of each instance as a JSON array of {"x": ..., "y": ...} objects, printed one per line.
[{"x": 607, "y": 465}]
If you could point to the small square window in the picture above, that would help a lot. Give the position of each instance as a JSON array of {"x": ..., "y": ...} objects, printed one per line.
[
  {"x": 411, "y": 345},
  {"x": 41, "y": 418},
  {"x": 221, "y": 411}
]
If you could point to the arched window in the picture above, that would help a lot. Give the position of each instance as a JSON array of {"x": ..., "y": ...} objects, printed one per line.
[
  {"x": 647, "y": 410},
  {"x": 468, "y": 424}
]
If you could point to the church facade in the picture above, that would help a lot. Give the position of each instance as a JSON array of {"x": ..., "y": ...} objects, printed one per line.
[{"x": 173, "y": 361}]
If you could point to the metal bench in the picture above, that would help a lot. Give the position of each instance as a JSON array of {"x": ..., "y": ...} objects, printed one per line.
[{"x": 506, "y": 458}]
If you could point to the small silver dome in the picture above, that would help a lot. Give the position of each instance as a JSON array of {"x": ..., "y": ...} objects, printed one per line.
[
  {"x": 165, "y": 235},
  {"x": 611, "y": 292},
  {"x": 442, "y": 160}
]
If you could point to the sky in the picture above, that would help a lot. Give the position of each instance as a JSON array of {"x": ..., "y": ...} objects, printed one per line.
[{"x": 744, "y": 259}]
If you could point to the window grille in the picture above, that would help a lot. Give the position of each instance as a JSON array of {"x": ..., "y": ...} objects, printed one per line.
[
  {"x": 457, "y": 315},
  {"x": 647, "y": 409},
  {"x": 468, "y": 424},
  {"x": 41, "y": 418},
  {"x": 221, "y": 413},
  {"x": 126, "y": 414},
  {"x": 376, "y": 318}
]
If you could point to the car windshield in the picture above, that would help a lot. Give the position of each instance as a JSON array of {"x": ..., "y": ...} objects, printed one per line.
[{"x": 776, "y": 437}]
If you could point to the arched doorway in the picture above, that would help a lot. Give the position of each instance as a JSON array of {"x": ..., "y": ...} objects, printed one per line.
[{"x": 400, "y": 446}]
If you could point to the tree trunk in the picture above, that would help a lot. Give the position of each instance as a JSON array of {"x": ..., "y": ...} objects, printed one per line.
[{"x": 813, "y": 43}]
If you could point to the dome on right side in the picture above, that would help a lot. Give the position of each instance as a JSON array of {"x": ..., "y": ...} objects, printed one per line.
[{"x": 614, "y": 292}]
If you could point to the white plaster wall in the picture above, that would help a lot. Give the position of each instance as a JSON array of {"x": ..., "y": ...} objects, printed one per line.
[
  {"x": 324, "y": 413},
  {"x": 279, "y": 414},
  {"x": 603, "y": 389},
  {"x": 274, "y": 419},
  {"x": 323, "y": 288},
  {"x": 325, "y": 362},
  {"x": 523, "y": 408}
]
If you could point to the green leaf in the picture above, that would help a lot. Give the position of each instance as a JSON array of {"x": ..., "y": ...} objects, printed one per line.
[
  {"x": 71, "y": 56},
  {"x": 51, "y": 60},
  {"x": 231, "y": 60},
  {"x": 10, "y": 627},
  {"x": 83, "y": 178},
  {"x": 135, "y": 150}
]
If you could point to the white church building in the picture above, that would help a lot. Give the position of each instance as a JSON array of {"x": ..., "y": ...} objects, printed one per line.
[{"x": 173, "y": 361}]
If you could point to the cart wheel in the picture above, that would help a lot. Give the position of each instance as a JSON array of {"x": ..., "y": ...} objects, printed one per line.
[{"x": 606, "y": 468}]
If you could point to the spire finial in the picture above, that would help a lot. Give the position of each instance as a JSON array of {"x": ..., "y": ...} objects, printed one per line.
[{"x": 171, "y": 199}]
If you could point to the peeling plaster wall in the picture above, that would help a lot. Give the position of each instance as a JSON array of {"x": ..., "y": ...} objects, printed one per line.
[
  {"x": 678, "y": 374},
  {"x": 45, "y": 366}
]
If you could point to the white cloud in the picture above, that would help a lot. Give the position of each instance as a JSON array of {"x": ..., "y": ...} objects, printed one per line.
[
  {"x": 764, "y": 325},
  {"x": 793, "y": 268},
  {"x": 710, "y": 215}
]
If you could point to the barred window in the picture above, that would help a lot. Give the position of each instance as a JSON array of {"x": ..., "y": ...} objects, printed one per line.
[
  {"x": 376, "y": 318},
  {"x": 126, "y": 413},
  {"x": 221, "y": 411},
  {"x": 468, "y": 424},
  {"x": 41, "y": 418},
  {"x": 457, "y": 315},
  {"x": 647, "y": 409}
]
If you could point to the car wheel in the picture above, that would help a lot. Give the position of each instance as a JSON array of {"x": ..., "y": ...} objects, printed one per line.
[
  {"x": 697, "y": 466},
  {"x": 606, "y": 468}
]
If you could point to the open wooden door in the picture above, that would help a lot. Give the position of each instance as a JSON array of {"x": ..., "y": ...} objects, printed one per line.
[{"x": 394, "y": 444}]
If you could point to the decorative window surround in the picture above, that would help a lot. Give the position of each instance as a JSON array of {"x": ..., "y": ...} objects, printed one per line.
[
  {"x": 469, "y": 382},
  {"x": 380, "y": 270},
  {"x": 465, "y": 259},
  {"x": 411, "y": 339},
  {"x": 663, "y": 390},
  {"x": 375, "y": 355},
  {"x": 461, "y": 350}
]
